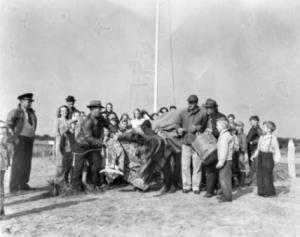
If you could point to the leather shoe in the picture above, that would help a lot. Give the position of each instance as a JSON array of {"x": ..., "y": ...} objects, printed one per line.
[
  {"x": 185, "y": 191},
  {"x": 197, "y": 192},
  {"x": 208, "y": 195}
]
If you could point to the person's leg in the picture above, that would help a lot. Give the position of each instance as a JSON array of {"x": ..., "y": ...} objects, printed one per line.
[
  {"x": 260, "y": 175},
  {"x": 79, "y": 162},
  {"x": 212, "y": 176},
  {"x": 186, "y": 167},
  {"x": 269, "y": 187},
  {"x": 27, "y": 163},
  {"x": 17, "y": 165},
  {"x": 196, "y": 171},
  {"x": 94, "y": 159},
  {"x": 176, "y": 169},
  {"x": 225, "y": 174},
  {"x": 167, "y": 173},
  {"x": 2, "y": 172},
  {"x": 253, "y": 171}
]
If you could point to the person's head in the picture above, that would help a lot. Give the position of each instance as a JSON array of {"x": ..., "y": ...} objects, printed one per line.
[
  {"x": 114, "y": 121},
  {"x": 124, "y": 117},
  {"x": 269, "y": 127},
  {"x": 123, "y": 124},
  {"x": 76, "y": 115},
  {"x": 164, "y": 110},
  {"x": 239, "y": 125},
  {"x": 82, "y": 113},
  {"x": 211, "y": 106},
  {"x": 173, "y": 107},
  {"x": 109, "y": 107},
  {"x": 95, "y": 108},
  {"x": 63, "y": 111},
  {"x": 154, "y": 116},
  {"x": 70, "y": 101},
  {"x": 111, "y": 116},
  {"x": 222, "y": 124},
  {"x": 145, "y": 115},
  {"x": 254, "y": 120},
  {"x": 3, "y": 132},
  {"x": 104, "y": 115},
  {"x": 106, "y": 132},
  {"x": 231, "y": 118},
  {"x": 137, "y": 114},
  {"x": 26, "y": 100},
  {"x": 231, "y": 128},
  {"x": 192, "y": 102}
]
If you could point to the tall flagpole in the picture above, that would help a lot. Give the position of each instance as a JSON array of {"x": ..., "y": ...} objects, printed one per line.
[{"x": 156, "y": 57}]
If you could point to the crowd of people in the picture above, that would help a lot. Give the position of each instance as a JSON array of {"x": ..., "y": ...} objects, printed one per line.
[{"x": 86, "y": 145}]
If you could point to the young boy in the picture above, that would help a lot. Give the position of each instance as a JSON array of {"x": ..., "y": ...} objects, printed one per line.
[
  {"x": 66, "y": 146},
  {"x": 6, "y": 153},
  {"x": 225, "y": 151},
  {"x": 268, "y": 155},
  {"x": 243, "y": 168},
  {"x": 252, "y": 140},
  {"x": 123, "y": 126},
  {"x": 235, "y": 155}
]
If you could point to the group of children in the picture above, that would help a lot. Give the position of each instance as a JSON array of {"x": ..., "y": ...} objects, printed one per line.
[{"x": 233, "y": 157}]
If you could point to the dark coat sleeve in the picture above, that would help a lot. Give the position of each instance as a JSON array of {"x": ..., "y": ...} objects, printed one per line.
[{"x": 87, "y": 130}]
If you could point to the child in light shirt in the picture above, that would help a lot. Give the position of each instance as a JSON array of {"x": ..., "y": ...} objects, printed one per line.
[{"x": 267, "y": 155}]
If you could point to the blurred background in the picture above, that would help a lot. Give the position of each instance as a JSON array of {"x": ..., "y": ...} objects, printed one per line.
[{"x": 243, "y": 53}]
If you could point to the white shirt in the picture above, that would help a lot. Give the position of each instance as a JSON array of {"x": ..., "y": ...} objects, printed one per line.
[
  {"x": 136, "y": 122},
  {"x": 269, "y": 143}
]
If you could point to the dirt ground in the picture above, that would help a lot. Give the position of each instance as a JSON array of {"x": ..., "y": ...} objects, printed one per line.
[{"x": 120, "y": 211}]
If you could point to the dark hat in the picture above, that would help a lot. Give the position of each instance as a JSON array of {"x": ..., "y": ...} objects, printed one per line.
[
  {"x": 95, "y": 103},
  {"x": 211, "y": 103},
  {"x": 193, "y": 98},
  {"x": 231, "y": 116},
  {"x": 173, "y": 107},
  {"x": 70, "y": 98},
  {"x": 27, "y": 96}
]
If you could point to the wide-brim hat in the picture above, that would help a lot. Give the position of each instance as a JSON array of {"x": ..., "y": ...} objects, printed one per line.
[
  {"x": 70, "y": 98},
  {"x": 27, "y": 96},
  {"x": 95, "y": 104},
  {"x": 211, "y": 104}
]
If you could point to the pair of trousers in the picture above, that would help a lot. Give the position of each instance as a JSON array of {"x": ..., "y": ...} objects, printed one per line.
[
  {"x": 253, "y": 167},
  {"x": 176, "y": 168},
  {"x": 190, "y": 158},
  {"x": 94, "y": 160},
  {"x": 67, "y": 165},
  {"x": 21, "y": 165},
  {"x": 265, "y": 180},
  {"x": 225, "y": 174},
  {"x": 2, "y": 172},
  {"x": 211, "y": 176}
]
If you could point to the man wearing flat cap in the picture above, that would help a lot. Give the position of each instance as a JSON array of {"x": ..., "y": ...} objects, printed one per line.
[
  {"x": 90, "y": 137},
  {"x": 188, "y": 124},
  {"x": 210, "y": 125},
  {"x": 22, "y": 122},
  {"x": 70, "y": 103}
]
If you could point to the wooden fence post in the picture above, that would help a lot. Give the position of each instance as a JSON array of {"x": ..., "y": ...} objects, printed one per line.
[
  {"x": 291, "y": 159},
  {"x": 52, "y": 143}
]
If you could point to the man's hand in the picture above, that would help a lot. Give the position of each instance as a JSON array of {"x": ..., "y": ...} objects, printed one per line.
[
  {"x": 193, "y": 128},
  {"x": 219, "y": 165},
  {"x": 17, "y": 141},
  {"x": 252, "y": 158},
  {"x": 181, "y": 131}
]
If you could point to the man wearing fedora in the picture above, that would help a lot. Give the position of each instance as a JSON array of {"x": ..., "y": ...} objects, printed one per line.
[
  {"x": 22, "y": 122},
  {"x": 210, "y": 125},
  {"x": 188, "y": 124},
  {"x": 90, "y": 137},
  {"x": 70, "y": 103}
]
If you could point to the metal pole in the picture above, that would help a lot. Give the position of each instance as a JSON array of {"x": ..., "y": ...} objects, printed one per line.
[{"x": 156, "y": 57}]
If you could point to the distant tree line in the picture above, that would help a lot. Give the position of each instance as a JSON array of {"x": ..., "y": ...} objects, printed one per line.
[{"x": 44, "y": 137}]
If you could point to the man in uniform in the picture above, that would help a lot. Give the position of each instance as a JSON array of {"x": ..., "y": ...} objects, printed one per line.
[
  {"x": 70, "y": 103},
  {"x": 23, "y": 122}
]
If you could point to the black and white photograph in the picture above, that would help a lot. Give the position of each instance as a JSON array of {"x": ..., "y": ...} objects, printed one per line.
[{"x": 149, "y": 118}]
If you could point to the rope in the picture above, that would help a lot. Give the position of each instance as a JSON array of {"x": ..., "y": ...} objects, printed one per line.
[
  {"x": 74, "y": 153},
  {"x": 171, "y": 51},
  {"x": 136, "y": 53}
]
